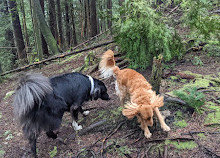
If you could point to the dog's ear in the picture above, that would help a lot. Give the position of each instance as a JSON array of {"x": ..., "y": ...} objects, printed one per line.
[
  {"x": 156, "y": 101},
  {"x": 97, "y": 93},
  {"x": 130, "y": 110}
]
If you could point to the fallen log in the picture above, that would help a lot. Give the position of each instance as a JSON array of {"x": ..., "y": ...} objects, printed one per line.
[
  {"x": 56, "y": 57},
  {"x": 87, "y": 129}
]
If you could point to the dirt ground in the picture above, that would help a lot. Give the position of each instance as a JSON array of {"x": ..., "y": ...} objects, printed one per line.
[{"x": 118, "y": 137}]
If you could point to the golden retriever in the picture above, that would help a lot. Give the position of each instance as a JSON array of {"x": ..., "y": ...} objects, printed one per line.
[{"x": 143, "y": 101}]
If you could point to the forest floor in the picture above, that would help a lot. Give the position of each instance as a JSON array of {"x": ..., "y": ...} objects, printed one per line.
[{"x": 119, "y": 137}]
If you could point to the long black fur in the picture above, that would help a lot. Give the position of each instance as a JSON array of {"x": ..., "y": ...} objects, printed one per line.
[{"x": 40, "y": 102}]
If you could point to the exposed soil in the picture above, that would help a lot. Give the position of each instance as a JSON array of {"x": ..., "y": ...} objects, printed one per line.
[{"x": 128, "y": 140}]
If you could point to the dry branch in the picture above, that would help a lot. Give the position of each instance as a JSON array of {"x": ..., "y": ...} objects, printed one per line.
[
  {"x": 57, "y": 57},
  {"x": 87, "y": 129}
]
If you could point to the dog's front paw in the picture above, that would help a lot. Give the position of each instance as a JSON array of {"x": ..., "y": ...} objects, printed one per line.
[
  {"x": 85, "y": 113},
  {"x": 166, "y": 128},
  {"x": 76, "y": 127},
  {"x": 147, "y": 135}
]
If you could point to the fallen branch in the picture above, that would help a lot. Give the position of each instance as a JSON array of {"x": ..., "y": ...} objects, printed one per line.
[
  {"x": 212, "y": 124},
  {"x": 172, "y": 99},
  {"x": 87, "y": 129},
  {"x": 174, "y": 139},
  {"x": 56, "y": 57},
  {"x": 173, "y": 10},
  {"x": 122, "y": 63},
  {"x": 200, "y": 132}
]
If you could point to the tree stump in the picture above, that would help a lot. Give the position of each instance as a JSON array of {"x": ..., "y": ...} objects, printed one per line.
[{"x": 156, "y": 74}]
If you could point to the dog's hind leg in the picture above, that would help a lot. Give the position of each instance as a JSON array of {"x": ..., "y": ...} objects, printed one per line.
[
  {"x": 74, "y": 112},
  {"x": 161, "y": 120},
  {"x": 32, "y": 141},
  {"x": 51, "y": 134}
]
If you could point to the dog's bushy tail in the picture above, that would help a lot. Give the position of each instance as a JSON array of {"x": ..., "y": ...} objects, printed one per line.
[
  {"x": 31, "y": 90},
  {"x": 107, "y": 65}
]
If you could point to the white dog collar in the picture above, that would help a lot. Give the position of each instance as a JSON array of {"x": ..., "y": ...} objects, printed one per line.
[{"x": 92, "y": 84}]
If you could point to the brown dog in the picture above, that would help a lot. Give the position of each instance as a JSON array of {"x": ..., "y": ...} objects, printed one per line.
[{"x": 143, "y": 101}]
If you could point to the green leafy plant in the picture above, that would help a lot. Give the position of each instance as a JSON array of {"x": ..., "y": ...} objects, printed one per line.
[
  {"x": 192, "y": 97},
  {"x": 199, "y": 16},
  {"x": 53, "y": 152},
  {"x": 197, "y": 61},
  {"x": 181, "y": 123},
  {"x": 142, "y": 34}
]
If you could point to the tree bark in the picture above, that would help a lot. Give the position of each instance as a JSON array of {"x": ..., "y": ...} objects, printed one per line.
[
  {"x": 44, "y": 43},
  {"x": 156, "y": 74},
  {"x": 52, "y": 18},
  {"x": 85, "y": 21},
  {"x": 24, "y": 25},
  {"x": 44, "y": 28},
  {"x": 37, "y": 32},
  {"x": 73, "y": 25},
  {"x": 109, "y": 7},
  {"x": 19, "y": 41},
  {"x": 60, "y": 26},
  {"x": 93, "y": 18},
  {"x": 67, "y": 23},
  {"x": 9, "y": 36}
]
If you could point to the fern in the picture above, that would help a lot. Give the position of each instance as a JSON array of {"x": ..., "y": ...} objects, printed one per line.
[
  {"x": 192, "y": 97},
  {"x": 142, "y": 34}
]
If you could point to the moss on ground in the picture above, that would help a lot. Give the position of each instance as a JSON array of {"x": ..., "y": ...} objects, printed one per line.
[{"x": 182, "y": 145}]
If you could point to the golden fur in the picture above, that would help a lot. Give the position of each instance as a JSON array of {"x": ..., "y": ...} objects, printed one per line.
[{"x": 143, "y": 101}]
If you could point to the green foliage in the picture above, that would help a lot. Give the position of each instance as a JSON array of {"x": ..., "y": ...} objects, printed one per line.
[
  {"x": 192, "y": 97},
  {"x": 181, "y": 123},
  {"x": 182, "y": 145},
  {"x": 53, "y": 152},
  {"x": 142, "y": 34},
  {"x": 212, "y": 49},
  {"x": 200, "y": 17},
  {"x": 197, "y": 61}
]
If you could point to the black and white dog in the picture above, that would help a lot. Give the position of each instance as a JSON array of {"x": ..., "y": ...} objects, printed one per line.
[{"x": 40, "y": 102}]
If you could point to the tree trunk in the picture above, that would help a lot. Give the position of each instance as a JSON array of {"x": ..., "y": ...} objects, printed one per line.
[
  {"x": 67, "y": 23},
  {"x": 88, "y": 18},
  {"x": 19, "y": 41},
  {"x": 85, "y": 20},
  {"x": 37, "y": 32},
  {"x": 24, "y": 25},
  {"x": 93, "y": 18},
  {"x": 44, "y": 28},
  {"x": 52, "y": 17},
  {"x": 109, "y": 7},
  {"x": 9, "y": 36},
  {"x": 73, "y": 25},
  {"x": 156, "y": 74},
  {"x": 60, "y": 26},
  {"x": 44, "y": 43}
]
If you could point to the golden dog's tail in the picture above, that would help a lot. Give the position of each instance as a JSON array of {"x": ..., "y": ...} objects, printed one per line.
[{"x": 107, "y": 65}]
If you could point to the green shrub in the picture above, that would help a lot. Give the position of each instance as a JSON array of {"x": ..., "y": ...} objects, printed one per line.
[
  {"x": 192, "y": 97},
  {"x": 199, "y": 16},
  {"x": 141, "y": 33}
]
